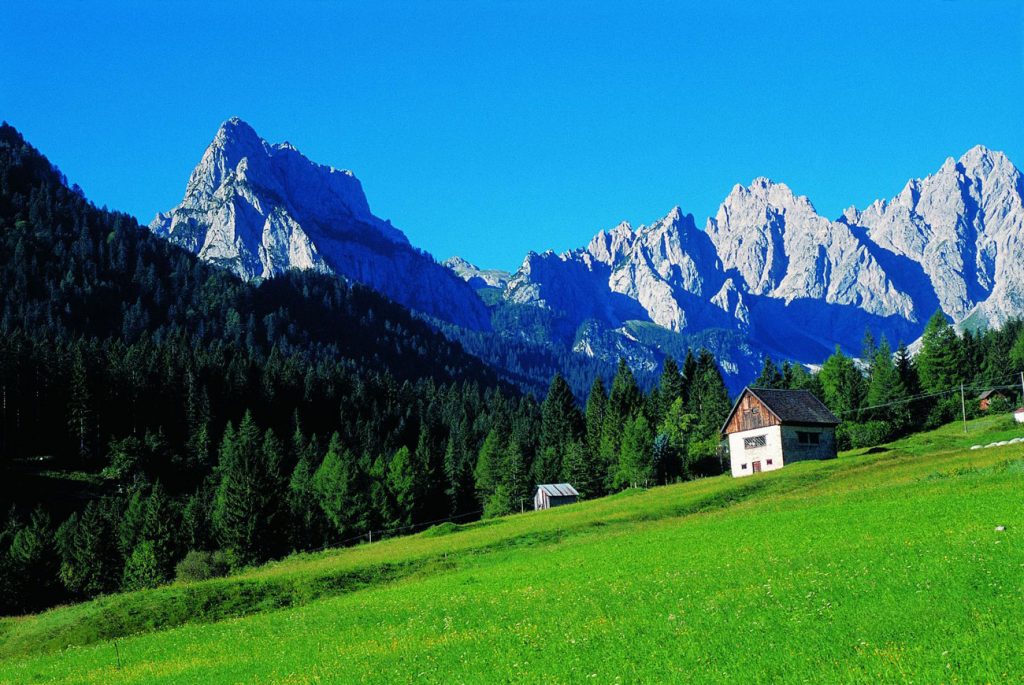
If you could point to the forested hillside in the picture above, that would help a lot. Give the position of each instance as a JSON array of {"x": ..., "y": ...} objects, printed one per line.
[{"x": 154, "y": 406}]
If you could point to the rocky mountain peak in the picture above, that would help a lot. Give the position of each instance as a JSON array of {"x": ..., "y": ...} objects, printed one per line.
[{"x": 260, "y": 209}]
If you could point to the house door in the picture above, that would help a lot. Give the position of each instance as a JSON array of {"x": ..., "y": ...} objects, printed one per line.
[{"x": 757, "y": 467}]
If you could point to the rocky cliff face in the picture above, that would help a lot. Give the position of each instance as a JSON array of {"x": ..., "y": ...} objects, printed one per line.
[
  {"x": 959, "y": 232},
  {"x": 259, "y": 209},
  {"x": 769, "y": 269}
]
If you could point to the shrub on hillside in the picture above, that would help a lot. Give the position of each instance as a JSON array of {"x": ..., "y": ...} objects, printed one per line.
[
  {"x": 869, "y": 433},
  {"x": 999, "y": 405},
  {"x": 199, "y": 565}
]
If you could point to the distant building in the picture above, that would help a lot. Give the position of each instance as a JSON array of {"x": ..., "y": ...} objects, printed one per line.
[
  {"x": 1018, "y": 415},
  {"x": 985, "y": 398},
  {"x": 554, "y": 495},
  {"x": 767, "y": 429}
]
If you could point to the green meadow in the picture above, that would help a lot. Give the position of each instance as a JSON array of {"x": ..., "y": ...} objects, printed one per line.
[{"x": 875, "y": 567}]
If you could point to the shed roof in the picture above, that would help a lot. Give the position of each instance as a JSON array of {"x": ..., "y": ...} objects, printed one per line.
[
  {"x": 990, "y": 393},
  {"x": 799, "y": 407},
  {"x": 559, "y": 490}
]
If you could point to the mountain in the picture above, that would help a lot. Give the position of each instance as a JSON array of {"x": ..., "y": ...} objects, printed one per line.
[
  {"x": 259, "y": 210},
  {"x": 959, "y": 231},
  {"x": 475, "y": 276},
  {"x": 770, "y": 275},
  {"x": 767, "y": 274}
]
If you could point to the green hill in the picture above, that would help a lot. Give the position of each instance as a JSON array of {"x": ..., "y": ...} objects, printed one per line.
[{"x": 881, "y": 567}]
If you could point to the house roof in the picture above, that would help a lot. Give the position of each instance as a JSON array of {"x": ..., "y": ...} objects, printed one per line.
[
  {"x": 799, "y": 407},
  {"x": 990, "y": 393},
  {"x": 559, "y": 490}
]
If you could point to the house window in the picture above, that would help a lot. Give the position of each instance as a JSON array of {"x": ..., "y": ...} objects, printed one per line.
[
  {"x": 805, "y": 438},
  {"x": 769, "y": 462},
  {"x": 743, "y": 466},
  {"x": 754, "y": 442}
]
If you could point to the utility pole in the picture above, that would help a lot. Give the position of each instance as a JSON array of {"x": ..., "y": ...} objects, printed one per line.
[
  {"x": 963, "y": 406},
  {"x": 1022, "y": 387}
]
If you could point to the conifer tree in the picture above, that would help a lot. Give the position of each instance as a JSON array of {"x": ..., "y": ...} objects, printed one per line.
[
  {"x": 246, "y": 507},
  {"x": 596, "y": 402},
  {"x": 561, "y": 424},
  {"x": 142, "y": 569},
  {"x": 488, "y": 466},
  {"x": 938, "y": 360},
  {"x": 337, "y": 486},
  {"x": 671, "y": 382},
  {"x": 161, "y": 527},
  {"x": 34, "y": 563},
  {"x": 907, "y": 370},
  {"x": 636, "y": 463},
  {"x": 689, "y": 371},
  {"x": 624, "y": 402},
  {"x": 580, "y": 470},
  {"x": 885, "y": 390},
  {"x": 709, "y": 402},
  {"x": 80, "y": 412},
  {"x": 401, "y": 480},
  {"x": 676, "y": 429},
  {"x": 770, "y": 377},
  {"x": 842, "y": 385}
]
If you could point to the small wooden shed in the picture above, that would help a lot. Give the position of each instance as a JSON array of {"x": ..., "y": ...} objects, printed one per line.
[
  {"x": 554, "y": 495},
  {"x": 985, "y": 398}
]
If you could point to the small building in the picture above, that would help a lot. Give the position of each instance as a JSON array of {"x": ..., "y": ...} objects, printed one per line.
[
  {"x": 767, "y": 429},
  {"x": 554, "y": 495},
  {"x": 985, "y": 398},
  {"x": 1018, "y": 415}
]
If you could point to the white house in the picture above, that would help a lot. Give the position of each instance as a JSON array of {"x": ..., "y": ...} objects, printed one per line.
[
  {"x": 1018, "y": 415},
  {"x": 768, "y": 429}
]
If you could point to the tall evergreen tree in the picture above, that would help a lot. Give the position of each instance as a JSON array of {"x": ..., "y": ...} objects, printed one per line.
[
  {"x": 80, "y": 413},
  {"x": 337, "y": 485},
  {"x": 709, "y": 402},
  {"x": 676, "y": 429},
  {"x": 842, "y": 385},
  {"x": 401, "y": 480},
  {"x": 671, "y": 385},
  {"x": 162, "y": 527},
  {"x": 624, "y": 402},
  {"x": 561, "y": 424},
  {"x": 938, "y": 360},
  {"x": 596, "y": 403},
  {"x": 247, "y": 505},
  {"x": 907, "y": 370},
  {"x": 885, "y": 390},
  {"x": 636, "y": 462},
  {"x": 770, "y": 376}
]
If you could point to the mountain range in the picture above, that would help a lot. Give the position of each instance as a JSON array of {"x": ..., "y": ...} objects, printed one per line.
[{"x": 767, "y": 274}]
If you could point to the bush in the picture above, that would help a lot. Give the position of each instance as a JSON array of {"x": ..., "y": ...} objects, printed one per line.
[
  {"x": 869, "y": 433},
  {"x": 999, "y": 405},
  {"x": 199, "y": 565}
]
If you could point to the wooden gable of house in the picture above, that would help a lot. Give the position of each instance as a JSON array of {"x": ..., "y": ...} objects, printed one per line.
[{"x": 749, "y": 413}]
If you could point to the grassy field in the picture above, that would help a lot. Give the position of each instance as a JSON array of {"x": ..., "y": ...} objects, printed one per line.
[{"x": 881, "y": 567}]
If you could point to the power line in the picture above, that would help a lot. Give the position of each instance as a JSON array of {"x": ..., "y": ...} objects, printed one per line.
[{"x": 924, "y": 396}]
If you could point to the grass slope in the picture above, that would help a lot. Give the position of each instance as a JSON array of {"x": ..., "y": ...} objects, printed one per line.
[{"x": 880, "y": 567}]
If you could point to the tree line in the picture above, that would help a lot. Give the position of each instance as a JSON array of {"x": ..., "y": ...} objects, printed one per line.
[{"x": 884, "y": 394}]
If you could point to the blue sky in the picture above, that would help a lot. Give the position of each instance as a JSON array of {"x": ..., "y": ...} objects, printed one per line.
[{"x": 490, "y": 129}]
